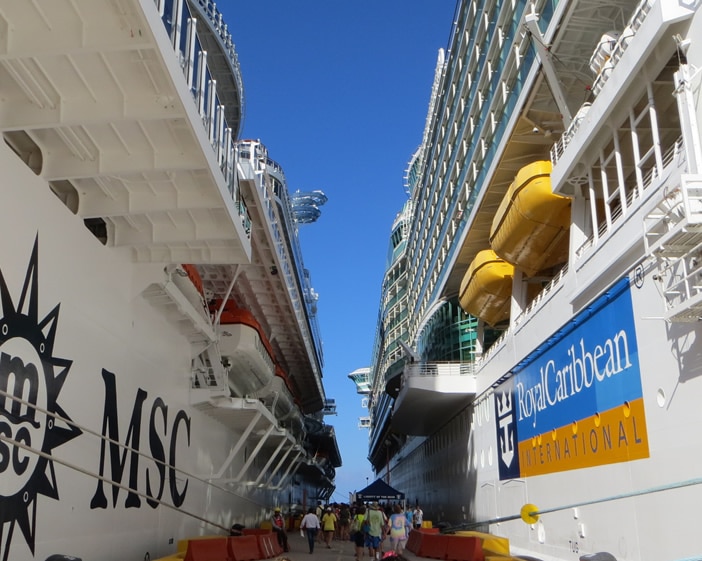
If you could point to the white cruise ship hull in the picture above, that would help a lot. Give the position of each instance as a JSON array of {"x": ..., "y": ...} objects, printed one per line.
[
  {"x": 131, "y": 417},
  {"x": 579, "y": 439}
]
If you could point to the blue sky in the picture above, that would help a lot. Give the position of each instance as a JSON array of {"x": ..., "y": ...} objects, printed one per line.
[{"x": 338, "y": 92}]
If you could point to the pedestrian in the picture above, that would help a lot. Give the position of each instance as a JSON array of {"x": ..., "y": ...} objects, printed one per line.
[
  {"x": 310, "y": 523},
  {"x": 278, "y": 524},
  {"x": 320, "y": 512},
  {"x": 376, "y": 530},
  {"x": 328, "y": 525},
  {"x": 398, "y": 530},
  {"x": 418, "y": 517},
  {"x": 344, "y": 521},
  {"x": 410, "y": 520},
  {"x": 357, "y": 534}
]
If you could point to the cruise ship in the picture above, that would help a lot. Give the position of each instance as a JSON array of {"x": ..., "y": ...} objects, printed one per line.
[
  {"x": 160, "y": 357},
  {"x": 535, "y": 374}
]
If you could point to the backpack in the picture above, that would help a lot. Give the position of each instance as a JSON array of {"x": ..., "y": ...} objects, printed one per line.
[{"x": 355, "y": 526}]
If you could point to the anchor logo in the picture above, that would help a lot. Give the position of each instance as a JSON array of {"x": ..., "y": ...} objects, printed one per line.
[{"x": 506, "y": 434}]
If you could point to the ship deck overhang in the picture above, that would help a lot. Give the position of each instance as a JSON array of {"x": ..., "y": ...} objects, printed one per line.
[
  {"x": 95, "y": 96},
  {"x": 430, "y": 396}
]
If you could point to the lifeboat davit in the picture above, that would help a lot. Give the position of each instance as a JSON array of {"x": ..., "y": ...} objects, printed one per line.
[
  {"x": 531, "y": 225},
  {"x": 486, "y": 288}
]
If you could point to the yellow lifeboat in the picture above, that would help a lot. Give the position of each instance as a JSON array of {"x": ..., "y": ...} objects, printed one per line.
[
  {"x": 486, "y": 287},
  {"x": 530, "y": 228}
]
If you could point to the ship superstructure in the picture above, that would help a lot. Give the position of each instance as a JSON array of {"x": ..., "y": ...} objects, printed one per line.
[
  {"x": 161, "y": 366},
  {"x": 547, "y": 386}
]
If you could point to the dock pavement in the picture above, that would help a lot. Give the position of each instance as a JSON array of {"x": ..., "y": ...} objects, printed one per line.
[{"x": 340, "y": 550}]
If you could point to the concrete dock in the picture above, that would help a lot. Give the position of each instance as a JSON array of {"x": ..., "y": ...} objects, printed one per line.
[{"x": 340, "y": 550}]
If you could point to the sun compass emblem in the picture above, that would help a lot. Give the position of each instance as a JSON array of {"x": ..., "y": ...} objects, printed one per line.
[{"x": 31, "y": 379}]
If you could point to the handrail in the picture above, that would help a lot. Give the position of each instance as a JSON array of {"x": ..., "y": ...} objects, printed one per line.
[
  {"x": 620, "y": 46},
  {"x": 439, "y": 369},
  {"x": 202, "y": 84},
  {"x": 215, "y": 16},
  {"x": 255, "y": 155}
]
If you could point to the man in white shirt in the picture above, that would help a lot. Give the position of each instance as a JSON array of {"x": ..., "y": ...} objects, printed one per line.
[{"x": 418, "y": 516}]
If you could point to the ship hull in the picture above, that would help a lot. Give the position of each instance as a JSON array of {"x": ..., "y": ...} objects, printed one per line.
[
  {"x": 581, "y": 441},
  {"x": 596, "y": 440},
  {"x": 115, "y": 368}
]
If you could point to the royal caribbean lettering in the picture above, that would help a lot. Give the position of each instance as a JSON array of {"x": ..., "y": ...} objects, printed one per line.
[
  {"x": 577, "y": 401},
  {"x": 583, "y": 369}
]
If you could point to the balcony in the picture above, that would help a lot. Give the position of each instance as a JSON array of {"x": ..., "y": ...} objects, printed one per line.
[{"x": 430, "y": 394}]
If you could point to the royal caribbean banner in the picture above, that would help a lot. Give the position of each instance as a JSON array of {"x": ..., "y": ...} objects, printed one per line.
[{"x": 576, "y": 401}]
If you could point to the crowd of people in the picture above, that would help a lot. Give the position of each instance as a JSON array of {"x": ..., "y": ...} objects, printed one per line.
[{"x": 370, "y": 526}]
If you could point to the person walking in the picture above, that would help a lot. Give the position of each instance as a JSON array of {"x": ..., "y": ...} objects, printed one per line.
[
  {"x": 418, "y": 517},
  {"x": 310, "y": 523},
  {"x": 278, "y": 524},
  {"x": 344, "y": 521},
  {"x": 320, "y": 512},
  {"x": 328, "y": 525},
  {"x": 398, "y": 530},
  {"x": 376, "y": 530},
  {"x": 409, "y": 515},
  {"x": 357, "y": 534}
]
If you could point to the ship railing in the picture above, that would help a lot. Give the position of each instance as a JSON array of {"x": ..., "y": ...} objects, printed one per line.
[
  {"x": 530, "y": 310},
  {"x": 562, "y": 143},
  {"x": 536, "y": 303},
  {"x": 209, "y": 373},
  {"x": 253, "y": 159},
  {"x": 620, "y": 46},
  {"x": 217, "y": 20},
  {"x": 673, "y": 156},
  {"x": 622, "y": 43},
  {"x": 203, "y": 87},
  {"x": 439, "y": 369},
  {"x": 309, "y": 297},
  {"x": 673, "y": 233}
]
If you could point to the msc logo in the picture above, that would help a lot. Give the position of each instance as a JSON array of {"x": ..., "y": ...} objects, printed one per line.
[{"x": 32, "y": 422}]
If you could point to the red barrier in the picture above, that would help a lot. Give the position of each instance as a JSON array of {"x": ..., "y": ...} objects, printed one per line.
[
  {"x": 213, "y": 549},
  {"x": 268, "y": 545},
  {"x": 433, "y": 546},
  {"x": 276, "y": 546},
  {"x": 414, "y": 541},
  {"x": 255, "y": 531},
  {"x": 461, "y": 548},
  {"x": 244, "y": 548}
]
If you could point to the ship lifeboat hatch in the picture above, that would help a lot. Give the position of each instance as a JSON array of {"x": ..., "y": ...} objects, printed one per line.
[
  {"x": 530, "y": 228},
  {"x": 486, "y": 288}
]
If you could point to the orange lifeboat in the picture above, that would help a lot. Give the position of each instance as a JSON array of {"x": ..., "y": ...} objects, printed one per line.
[
  {"x": 486, "y": 287},
  {"x": 530, "y": 228}
]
